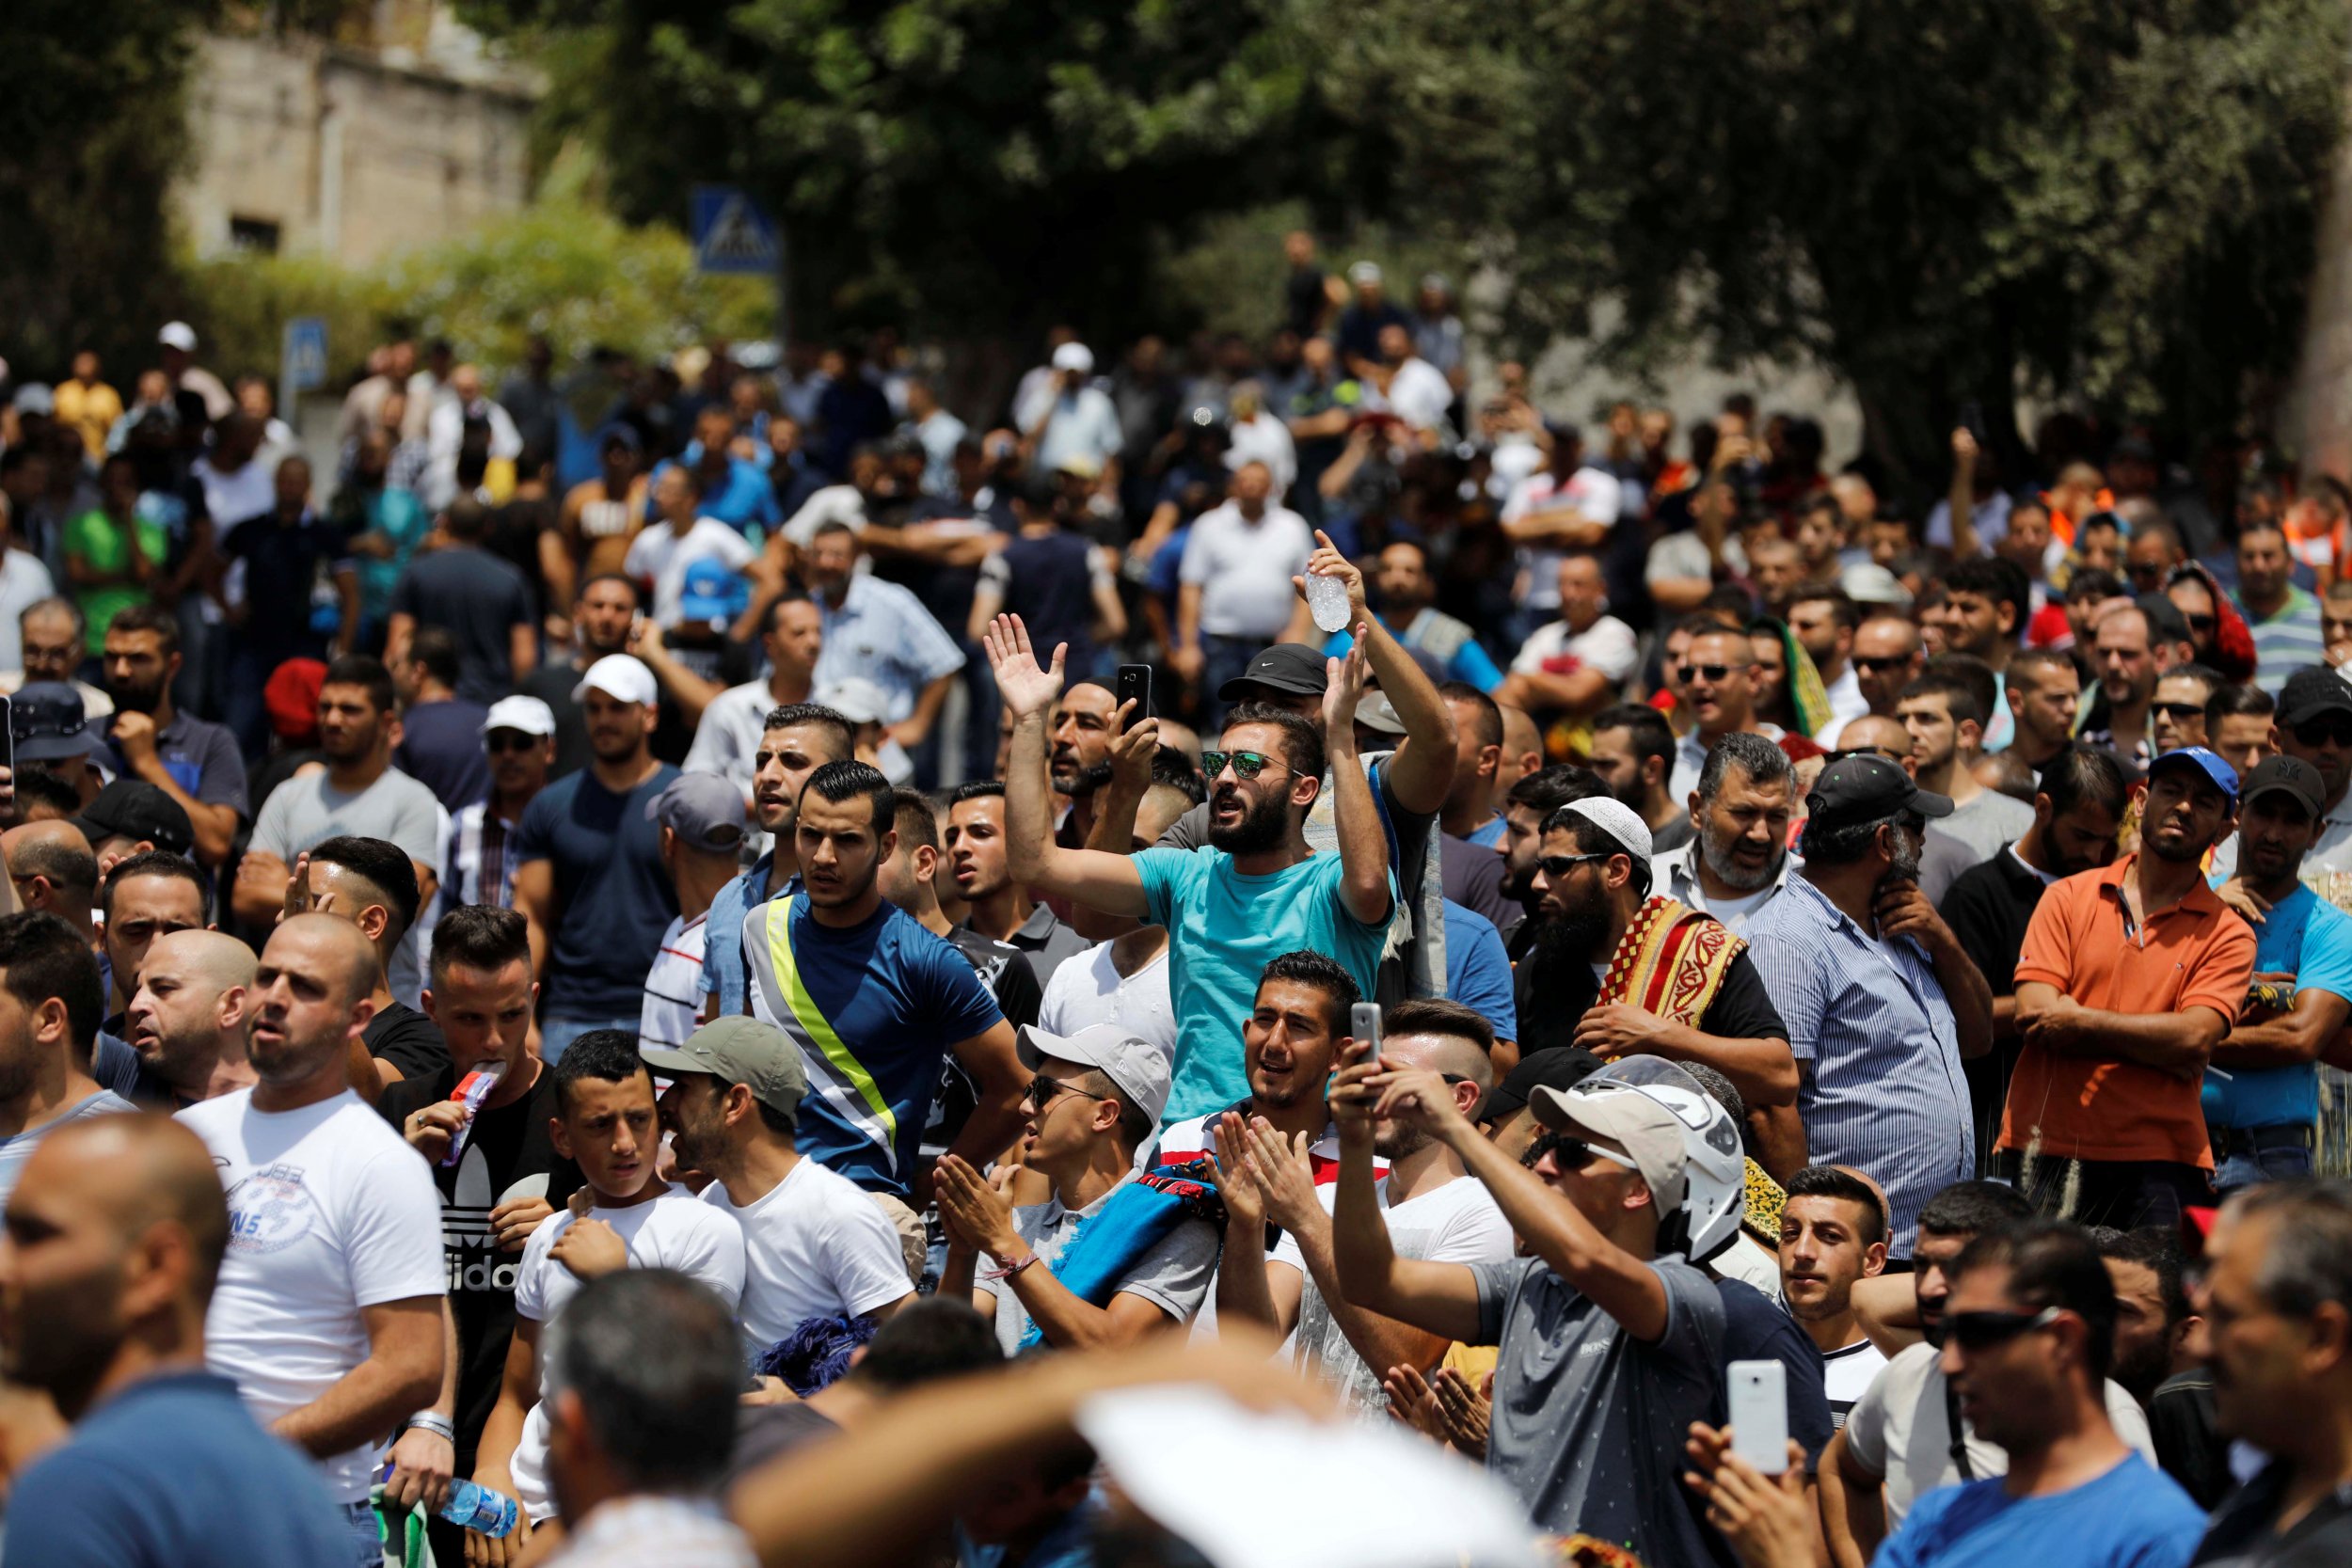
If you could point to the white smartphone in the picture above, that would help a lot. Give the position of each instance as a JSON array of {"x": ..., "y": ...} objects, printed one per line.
[
  {"x": 1759, "y": 1403},
  {"x": 1364, "y": 1022}
]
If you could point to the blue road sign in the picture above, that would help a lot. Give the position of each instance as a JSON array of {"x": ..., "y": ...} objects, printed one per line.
[
  {"x": 733, "y": 233},
  {"x": 304, "y": 354}
]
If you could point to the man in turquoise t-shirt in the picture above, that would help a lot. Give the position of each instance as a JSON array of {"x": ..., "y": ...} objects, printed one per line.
[
  {"x": 2262, "y": 1105},
  {"x": 1253, "y": 891}
]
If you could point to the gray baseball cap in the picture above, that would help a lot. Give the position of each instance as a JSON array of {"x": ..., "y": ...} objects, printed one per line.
[
  {"x": 740, "y": 1050},
  {"x": 703, "y": 809},
  {"x": 1138, "y": 1068}
]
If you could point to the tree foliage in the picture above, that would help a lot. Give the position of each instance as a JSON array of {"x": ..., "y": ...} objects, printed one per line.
[{"x": 93, "y": 100}]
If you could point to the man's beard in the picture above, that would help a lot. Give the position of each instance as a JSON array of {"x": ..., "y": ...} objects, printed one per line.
[
  {"x": 1262, "y": 828},
  {"x": 137, "y": 697},
  {"x": 1730, "y": 872},
  {"x": 1903, "y": 862},
  {"x": 290, "y": 1060},
  {"x": 1402, "y": 1142},
  {"x": 1086, "y": 781}
]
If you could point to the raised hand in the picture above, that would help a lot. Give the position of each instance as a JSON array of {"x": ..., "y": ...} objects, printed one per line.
[
  {"x": 1344, "y": 688},
  {"x": 1245, "y": 1205},
  {"x": 1132, "y": 750},
  {"x": 1027, "y": 690},
  {"x": 1285, "y": 1175},
  {"x": 1328, "y": 563}
]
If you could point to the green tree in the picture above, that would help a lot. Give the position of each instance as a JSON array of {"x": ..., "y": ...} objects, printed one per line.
[
  {"x": 968, "y": 166},
  {"x": 2114, "y": 199},
  {"x": 93, "y": 96}
]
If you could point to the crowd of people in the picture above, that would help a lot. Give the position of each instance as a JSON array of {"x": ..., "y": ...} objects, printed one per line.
[{"x": 754, "y": 973}]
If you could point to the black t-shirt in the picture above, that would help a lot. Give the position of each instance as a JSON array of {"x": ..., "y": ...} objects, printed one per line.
[
  {"x": 513, "y": 538},
  {"x": 1742, "y": 1008},
  {"x": 1006, "y": 973},
  {"x": 508, "y": 1154},
  {"x": 1989, "y": 906},
  {"x": 2188, "y": 1433},
  {"x": 2244, "y": 1530},
  {"x": 440, "y": 747},
  {"x": 1304, "y": 300},
  {"x": 478, "y": 599},
  {"x": 410, "y": 1041},
  {"x": 1756, "y": 1329}
]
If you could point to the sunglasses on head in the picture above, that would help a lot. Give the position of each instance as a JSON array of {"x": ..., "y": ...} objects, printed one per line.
[
  {"x": 2336, "y": 731},
  {"x": 1043, "y": 1089},
  {"x": 1560, "y": 865},
  {"x": 1984, "y": 1330},
  {"x": 1688, "y": 672},
  {"x": 1247, "y": 765}
]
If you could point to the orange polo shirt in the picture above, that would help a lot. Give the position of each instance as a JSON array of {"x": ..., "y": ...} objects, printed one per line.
[{"x": 2197, "y": 954}]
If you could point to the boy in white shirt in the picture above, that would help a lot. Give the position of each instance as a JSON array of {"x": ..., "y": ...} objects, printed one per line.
[{"x": 607, "y": 1123}]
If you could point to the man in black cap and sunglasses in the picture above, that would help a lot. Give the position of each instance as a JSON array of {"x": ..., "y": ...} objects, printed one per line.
[{"x": 2313, "y": 724}]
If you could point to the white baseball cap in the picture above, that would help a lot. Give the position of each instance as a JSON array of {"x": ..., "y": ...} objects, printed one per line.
[
  {"x": 1134, "y": 1066},
  {"x": 622, "y": 677},
  {"x": 1618, "y": 820},
  {"x": 1364, "y": 271},
  {"x": 856, "y": 699},
  {"x": 179, "y": 335},
  {"x": 527, "y": 714},
  {"x": 1074, "y": 356}
]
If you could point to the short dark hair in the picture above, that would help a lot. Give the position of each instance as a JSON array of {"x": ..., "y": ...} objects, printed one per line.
[
  {"x": 480, "y": 938},
  {"x": 1973, "y": 1208},
  {"x": 148, "y": 618},
  {"x": 917, "y": 821},
  {"x": 2159, "y": 1253},
  {"x": 362, "y": 669},
  {"x": 2052, "y": 1263},
  {"x": 928, "y": 1338},
  {"x": 792, "y": 716},
  {"x": 977, "y": 789},
  {"x": 2094, "y": 582},
  {"x": 466, "y": 518},
  {"x": 1975, "y": 676},
  {"x": 434, "y": 651},
  {"x": 607, "y": 1055},
  {"x": 1958, "y": 695},
  {"x": 656, "y": 1362},
  {"x": 1646, "y": 733},
  {"x": 1547, "y": 789},
  {"x": 2204, "y": 674},
  {"x": 842, "y": 782},
  {"x": 1757, "y": 757},
  {"x": 1996, "y": 578},
  {"x": 1435, "y": 1015},
  {"x": 1302, "y": 741},
  {"x": 2248, "y": 700},
  {"x": 1318, "y": 971},
  {"x": 1172, "y": 768},
  {"x": 1842, "y": 609},
  {"x": 38, "y": 785},
  {"x": 1829, "y": 1181},
  {"x": 2085, "y": 775},
  {"x": 158, "y": 863},
  {"x": 41, "y": 957},
  {"x": 1490, "y": 720},
  {"x": 382, "y": 865},
  {"x": 2026, "y": 660},
  {"x": 622, "y": 579},
  {"x": 767, "y": 617}
]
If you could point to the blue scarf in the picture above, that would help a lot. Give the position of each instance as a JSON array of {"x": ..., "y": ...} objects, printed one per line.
[{"x": 1137, "y": 1217}]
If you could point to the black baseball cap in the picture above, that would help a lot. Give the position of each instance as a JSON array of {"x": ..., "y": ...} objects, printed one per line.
[
  {"x": 2166, "y": 624},
  {"x": 134, "y": 809},
  {"x": 2311, "y": 692},
  {"x": 1292, "y": 668},
  {"x": 2290, "y": 776},
  {"x": 46, "y": 723},
  {"x": 1868, "y": 788},
  {"x": 1558, "y": 1066}
]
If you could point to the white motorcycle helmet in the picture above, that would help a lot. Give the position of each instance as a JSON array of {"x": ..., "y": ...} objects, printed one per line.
[{"x": 1699, "y": 1213}]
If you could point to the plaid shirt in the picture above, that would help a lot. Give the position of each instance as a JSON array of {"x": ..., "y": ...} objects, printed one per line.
[{"x": 476, "y": 867}]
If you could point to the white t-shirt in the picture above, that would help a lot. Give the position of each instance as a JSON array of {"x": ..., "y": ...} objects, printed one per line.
[
  {"x": 231, "y": 498},
  {"x": 816, "y": 1246},
  {"x": 1244, "y": 569},
  {"x": 1457, "y": 1223},
  {"x": 1596, "y": 496},
  {"x": 329, "y": 1211},
  {"x": 1419, "y": 394},
  {"x": 1089, "y": 991},
  {"x": 1606, "y": 645},
  {"x": 726, "y": 741},
  {"x": 1898, "y": 1430},
  {"x": 1847, "y": 1375},
  {"x": 658, "y": 556},
  {"x": 24, "y": 583},
  {"x": 674, "y": 986},
  {"x": 671, "y": 1231}
]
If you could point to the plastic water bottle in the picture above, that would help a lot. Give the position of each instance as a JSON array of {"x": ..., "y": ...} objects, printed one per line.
[
  {"x": 478, "y": 1508},
  {"x": 1327, "y": 601}
]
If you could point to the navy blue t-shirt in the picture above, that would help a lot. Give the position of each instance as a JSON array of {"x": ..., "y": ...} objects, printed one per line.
[
  {"x": 1757, "y": 1328},
  {"x": 283, "y": 564},
  {"x": 1049, "y": 582},
  {"x": 478, "y": 599},
  {"x": 218, "y": 1492},
  {"x": 440, "y": 747},
  {"x": 612, "y": 900}
]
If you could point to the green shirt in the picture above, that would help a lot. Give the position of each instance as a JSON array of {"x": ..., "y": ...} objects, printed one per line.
[{"x": 96, "y": 540}]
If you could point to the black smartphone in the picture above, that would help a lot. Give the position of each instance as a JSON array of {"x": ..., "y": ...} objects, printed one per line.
[
  {"x": 1972, "y": 420},
  {"x": 1134, "y": 685}
]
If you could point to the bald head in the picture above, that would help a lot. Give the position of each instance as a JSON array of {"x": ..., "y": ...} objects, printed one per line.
[
  {"x": 1873, "y": 731},
  {"x": 60, "y": 857},
  {"x": 186, "y": 1014},
  {"x": 213, "y": 960},
  {"x": 107, "y": 1210},
  {"x": 330, "y": 949}
]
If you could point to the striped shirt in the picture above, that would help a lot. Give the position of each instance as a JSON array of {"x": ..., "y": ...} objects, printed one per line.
[
  {"x": 674, "y": 986},
  {"x": 2287, "y": 641},
  {"x": 880, "y": 631},
  {"x": 478, "y": 870},
  {"x": 1874, "y": 1039}
]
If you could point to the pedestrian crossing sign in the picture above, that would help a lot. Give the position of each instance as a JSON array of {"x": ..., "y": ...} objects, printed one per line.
[{"x": 733, "y": 233}]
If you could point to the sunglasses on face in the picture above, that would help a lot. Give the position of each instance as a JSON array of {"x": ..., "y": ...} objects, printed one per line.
[
  {"x": 1711, "y": 672},
  {"x": 1043, "y": 1089},
  {"x": 1557, "y": 866},
  {"x": 510, "y": 740},
  {"x": 2201, "y": 622},
  {"x": 2325, "y": 732},
  {"x": 1887, "y": 752},
  {"x": 1984, "y": 1330},
  {"x": 1572, "y": 1154},
  {"x": 2180, "y": 713},
  {"x": 1247, "y": 765},
  {"x": 1881, "y": 666}
]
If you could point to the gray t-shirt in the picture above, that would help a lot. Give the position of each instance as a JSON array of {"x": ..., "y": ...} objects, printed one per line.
[
  {"x": 1588, "y": 1423},
  {"x": 307, "y": 810},
  {"x": 1173, "y": 1277},
  {"x": 1986, "y": 821}
]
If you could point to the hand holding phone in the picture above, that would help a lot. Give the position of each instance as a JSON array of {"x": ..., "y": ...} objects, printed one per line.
[
  {"x": 1756, "y": 1396},
  {"x": 1363, "y": 1024},
  {"x": 1133, "y": 685}
]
